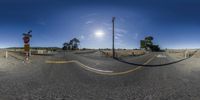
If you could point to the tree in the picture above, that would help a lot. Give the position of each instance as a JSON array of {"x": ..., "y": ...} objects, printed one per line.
[
  {"x": 149, "y": 40},
  {"x": 72, "y": 45},
  {"x": 75, "y": 43},
  {"x": 148, "y": 44},
  {"x": 65, "y": 46}
]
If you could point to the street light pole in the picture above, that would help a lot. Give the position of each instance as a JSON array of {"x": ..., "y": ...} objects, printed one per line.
[{"x": 113, "y": 45}]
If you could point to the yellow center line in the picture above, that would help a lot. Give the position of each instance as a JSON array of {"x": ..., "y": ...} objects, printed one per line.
[
  {"x": 98, "y": 71},
  {"x": 59, "y": 62},
  {"x": 148, "y": 61}
]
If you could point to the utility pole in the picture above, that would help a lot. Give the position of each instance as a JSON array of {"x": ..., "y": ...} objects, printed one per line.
[{"x": 113, "y": 45}]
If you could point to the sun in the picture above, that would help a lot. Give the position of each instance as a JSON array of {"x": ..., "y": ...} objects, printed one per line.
[{"x": 99, "y": 33}]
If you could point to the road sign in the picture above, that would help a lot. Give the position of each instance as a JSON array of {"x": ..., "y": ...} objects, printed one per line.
[
  {"x": 26, "y": 47},
  {"x": 26, "y": 39}
]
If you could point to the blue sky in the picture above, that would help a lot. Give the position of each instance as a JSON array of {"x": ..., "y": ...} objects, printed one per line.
[{"x": 172, "y": 23}]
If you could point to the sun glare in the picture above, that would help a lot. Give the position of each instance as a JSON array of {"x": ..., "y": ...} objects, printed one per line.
[{"x": 99, "y": 33}]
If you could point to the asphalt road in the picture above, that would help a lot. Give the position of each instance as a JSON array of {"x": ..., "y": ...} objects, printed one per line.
[{"x": 66, "y": 76}]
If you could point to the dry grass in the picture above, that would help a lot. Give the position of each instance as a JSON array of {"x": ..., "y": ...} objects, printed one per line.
[
  {"x": 123, "y": 53},
  {"x": 176, "y": 53},
  {"x": 182, "y": 53},
  {"x": 2, "y": 53},
  {"x": 197, "y": 54}
]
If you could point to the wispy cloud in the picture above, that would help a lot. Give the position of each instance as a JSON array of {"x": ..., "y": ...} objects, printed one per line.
[
  {"x": 89, "y": 22},
  {"x": 121, "y": 19},
  {"x": 117, "y": 38},
  {"x": 119, "y": 30},
  {"x": 89, "y": 15},
  {"x": 81, "y": 37},
  {"x": 42, "y": 23},
  {"x": 120, "y": 44},
  {"x": 136, "y": 35},
  {"x": 119, "y": 35},
  {"x": 107, "y": 24}
]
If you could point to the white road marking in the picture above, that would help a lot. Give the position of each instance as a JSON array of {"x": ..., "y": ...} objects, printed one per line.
[
  {"x": 105, "y": 71},
  {"x": 98, "y": 71},
  {"x": 149, "y": 60},
  {"x": 79, "y": 63},
  {"x": 161, "y": 56}
]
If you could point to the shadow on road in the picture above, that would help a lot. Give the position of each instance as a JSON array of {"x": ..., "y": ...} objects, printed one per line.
[{"x": 156, "y": 65}]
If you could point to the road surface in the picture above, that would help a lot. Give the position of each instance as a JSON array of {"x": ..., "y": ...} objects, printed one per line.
[{"x": 66, "y": 76}]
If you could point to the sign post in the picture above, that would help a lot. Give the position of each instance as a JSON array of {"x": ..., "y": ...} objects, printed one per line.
[
  {"x": 6, "y": 54},
  {"x": 113, "y": 37},
  {"x": 26, "y": 38}
]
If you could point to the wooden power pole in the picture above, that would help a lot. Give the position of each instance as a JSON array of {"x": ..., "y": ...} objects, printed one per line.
[{"x": 113, "y": 44}]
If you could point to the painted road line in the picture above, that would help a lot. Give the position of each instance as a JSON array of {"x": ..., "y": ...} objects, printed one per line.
[
  {"x": 80, "y": 64},
  {"x": 118, "y": 73},
  {"x": 161, "y": 56},
  {"x": 98, "y": 71},
  {"x": 134, "y": 69},
  {"x": 96, "y": 64},
  {"x": 148, "y": 61},
  {"x": 59, "y": 62},
  {"x": 124, "y": 72}
]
